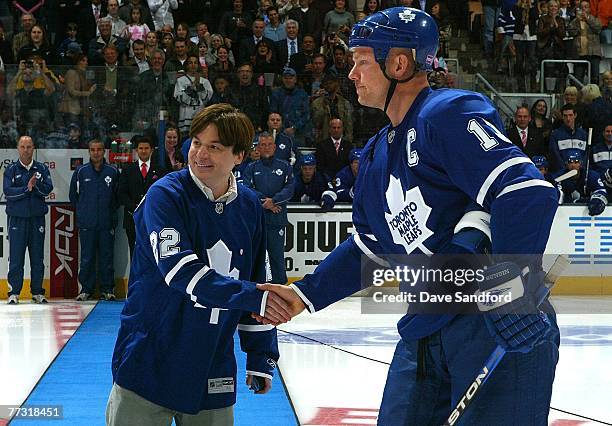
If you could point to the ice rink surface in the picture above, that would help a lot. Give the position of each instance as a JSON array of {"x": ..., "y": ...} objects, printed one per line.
[{"x": 334, "y": 362}]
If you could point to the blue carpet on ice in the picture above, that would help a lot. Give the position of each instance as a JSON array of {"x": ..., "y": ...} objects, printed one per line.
[{"x": 80, "y": 379}]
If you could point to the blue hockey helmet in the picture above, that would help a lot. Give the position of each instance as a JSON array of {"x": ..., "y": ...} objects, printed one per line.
[
  {"x": 401, "y": 27},
  {"x": 354, "y": 154},
  {"x": 539, "y": 161},
  {"x": 309, "y": 160}
]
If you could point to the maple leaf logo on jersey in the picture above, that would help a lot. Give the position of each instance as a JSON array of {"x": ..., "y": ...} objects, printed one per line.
[
  {"x": 220, "y": 259},
  {"x": 408, "y": 216},
  {"x": 407, "y": 16}
]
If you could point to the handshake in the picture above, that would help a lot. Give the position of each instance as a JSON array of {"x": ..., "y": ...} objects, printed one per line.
[{"x": 282, "y": 304}]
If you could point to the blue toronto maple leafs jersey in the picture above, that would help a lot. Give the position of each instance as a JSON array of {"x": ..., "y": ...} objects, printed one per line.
[
  {"x": 189, "y": 290},
  {"x": 343, "y": 185},
  {"x": 416, "y": 181},
  {"x": 573, "y": 188}
]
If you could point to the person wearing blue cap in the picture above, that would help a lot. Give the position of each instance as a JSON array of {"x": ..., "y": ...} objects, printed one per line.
[
  {"x": 341, "y": 188},
  {"x": 309, "y": 182},
  {"x": 293, "y": 104},
  {"x": 573, "y": 189}
]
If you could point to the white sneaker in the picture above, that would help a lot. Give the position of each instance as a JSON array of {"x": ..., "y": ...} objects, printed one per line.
[
  {"x": 109, "y": 297},
  {"x": 13, "y": 299},
  {"x": 82, "y": 297},
  {"x": 39, "y": 298}
]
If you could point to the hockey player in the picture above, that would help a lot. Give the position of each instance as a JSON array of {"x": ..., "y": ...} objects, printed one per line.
[
  {"x": 285, "y": 146},
  {"x": 199, "y": 238},
  {"x": 602, "y": 158},
  {"x": 542, "y": 164},
  {"x": 573, "y": 188},
  {"x": 443, "y": 150},
  {"x": 341, "y": 188},
  {"x": 309, "y": 182}
]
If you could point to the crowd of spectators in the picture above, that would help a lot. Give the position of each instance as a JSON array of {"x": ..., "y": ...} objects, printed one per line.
[
  {"x": 531, "y": 31},
  {"x": 72, "y": 71}
]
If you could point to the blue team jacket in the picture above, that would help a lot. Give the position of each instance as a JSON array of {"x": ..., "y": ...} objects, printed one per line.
[
  {"x": 271, "y": 178},
  {"x": 602, "y": 157},
  {"x": 94, "y": 195},
  {"x": 564, "y": 139},
  {"x": 19, "y": 201}
]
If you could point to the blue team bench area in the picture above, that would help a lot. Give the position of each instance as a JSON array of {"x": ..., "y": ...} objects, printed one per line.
[{"x": 79, "y": 379}]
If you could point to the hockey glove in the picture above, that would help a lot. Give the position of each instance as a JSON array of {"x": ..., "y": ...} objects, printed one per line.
[
  {"x": 515, "y": 321},
  {"x": 607, "y": 178},
  {"x": 596, "y": 205},
  {"x": 328, "y": 200}
]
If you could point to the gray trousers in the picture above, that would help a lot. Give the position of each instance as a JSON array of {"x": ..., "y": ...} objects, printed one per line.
[{"x": 125, "y": 407}]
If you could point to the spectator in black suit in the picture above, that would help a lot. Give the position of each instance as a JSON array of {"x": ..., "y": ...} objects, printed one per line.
[
  {"x": 333, "y": 153},
  {"x": 289, "y": 46},
  {"x": 301, "y": 62},
  {"x": 308, "y": 19},
  {"x": 525, "y": 135},
  {"x": 134, "y": 182},
  {"x": 88, "y": 18},
  {"x": 247, "y": 45}
]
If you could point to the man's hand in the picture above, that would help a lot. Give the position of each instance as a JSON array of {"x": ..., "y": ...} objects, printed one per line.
[
  {"x": 267, "y": 384},
  {"x": 278, "y": 310},
  {"x": 31, "y": 183},
  {"x": 280, "y": 297},
  {"x": 268, "y": 204}
]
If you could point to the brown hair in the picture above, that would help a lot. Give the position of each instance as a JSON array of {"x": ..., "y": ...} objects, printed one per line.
[{"x": 234, "y": 127}]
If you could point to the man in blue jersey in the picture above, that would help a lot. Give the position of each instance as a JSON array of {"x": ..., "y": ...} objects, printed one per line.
[
  {"x": 443, "y": 152},
  {"x": 200, "y": 241}
]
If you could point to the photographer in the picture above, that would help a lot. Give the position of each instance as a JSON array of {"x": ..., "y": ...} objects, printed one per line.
[{"x": 30, "y": 88}]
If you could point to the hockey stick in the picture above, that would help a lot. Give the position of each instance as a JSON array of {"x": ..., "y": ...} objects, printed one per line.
[
  {"x": 561, "y": 262},
  {"x": 566, "y": 176},
  {"x": 587, "y": 154}
]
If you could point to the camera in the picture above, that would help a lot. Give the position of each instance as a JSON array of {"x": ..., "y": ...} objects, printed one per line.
[{"x": 29, "y": 63}]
